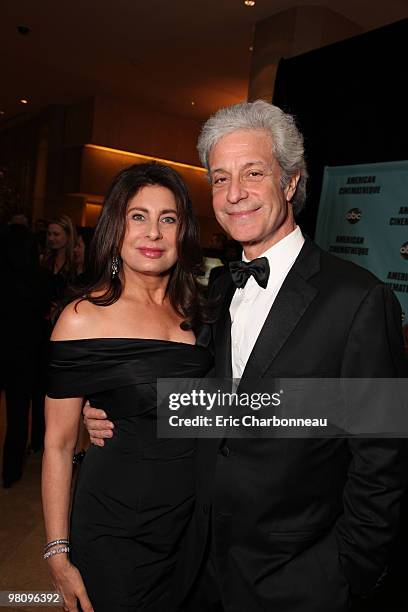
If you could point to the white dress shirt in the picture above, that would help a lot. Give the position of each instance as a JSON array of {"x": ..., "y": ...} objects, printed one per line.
[{"x": 250, "y": 306}]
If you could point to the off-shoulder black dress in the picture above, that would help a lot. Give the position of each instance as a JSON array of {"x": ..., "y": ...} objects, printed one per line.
[{"x": 134, "y": 496}]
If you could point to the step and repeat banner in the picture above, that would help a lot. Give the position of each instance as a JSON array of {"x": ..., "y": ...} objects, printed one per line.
[{"x": 363, "y": 217}]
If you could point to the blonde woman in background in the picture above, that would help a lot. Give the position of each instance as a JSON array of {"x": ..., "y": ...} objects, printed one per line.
[{"x": 59, "y": 256}]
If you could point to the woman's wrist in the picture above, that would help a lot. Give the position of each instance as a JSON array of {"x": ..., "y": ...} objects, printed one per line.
[{"x": 58, "y": 562}]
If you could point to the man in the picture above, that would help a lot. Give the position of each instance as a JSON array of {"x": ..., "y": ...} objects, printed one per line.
[
  {"x": 21, "y": 322},
  {"x": 289, "y": 524}
]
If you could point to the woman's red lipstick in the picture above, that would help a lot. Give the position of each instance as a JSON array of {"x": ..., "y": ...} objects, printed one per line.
[{"x": 151, "y": 253}]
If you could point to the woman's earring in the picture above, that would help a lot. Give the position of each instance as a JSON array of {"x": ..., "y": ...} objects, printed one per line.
[{"x": 115, "y": 266}]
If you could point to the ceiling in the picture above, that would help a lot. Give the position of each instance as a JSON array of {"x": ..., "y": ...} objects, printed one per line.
[{"x": 168, "y": 54}]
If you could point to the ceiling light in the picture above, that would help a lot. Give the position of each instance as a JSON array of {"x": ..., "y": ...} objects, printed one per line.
[
  {"x": 192, "y": 103},
  {"x": 251, "y": 48},
  {"x": 2, "y": 112},
  {"x": 24, "y": 101},
  {"x": 249, "y": 2}
]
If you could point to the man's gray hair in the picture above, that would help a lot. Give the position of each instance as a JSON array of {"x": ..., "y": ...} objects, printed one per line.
[{"x": 287, "y": 141}]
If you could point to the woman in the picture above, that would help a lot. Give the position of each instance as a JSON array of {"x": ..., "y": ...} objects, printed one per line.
[
  {"x": 136, "y": 323},
  {"x": 59, "y": 257}
]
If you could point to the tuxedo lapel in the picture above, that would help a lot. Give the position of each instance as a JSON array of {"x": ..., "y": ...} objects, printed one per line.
[
  {"x": 222, "y": 328},
  {"x": 293, "y": 299}
]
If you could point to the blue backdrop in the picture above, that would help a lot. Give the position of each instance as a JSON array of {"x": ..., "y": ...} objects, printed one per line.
[{"x": 363, "y": 217}]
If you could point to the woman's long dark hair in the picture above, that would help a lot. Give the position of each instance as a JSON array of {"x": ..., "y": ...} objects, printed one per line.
[{"x": 185, "y": 293}]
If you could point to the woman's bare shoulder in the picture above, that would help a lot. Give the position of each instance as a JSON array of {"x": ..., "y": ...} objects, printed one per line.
[{"x": 80, "y": 319}]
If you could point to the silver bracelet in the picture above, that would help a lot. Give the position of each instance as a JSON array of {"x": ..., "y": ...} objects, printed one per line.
[
  {"x": 54, "y": 543},
  {"x": 56, "y": 551}
]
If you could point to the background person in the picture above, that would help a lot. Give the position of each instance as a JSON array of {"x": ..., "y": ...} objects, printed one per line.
[
  {"x": 59, "y": 257},
  {"x": 213, "y": 255},
  {"x": 40, "y": 235},
  {"x": 21, "y": 315},
  {"x": 232, "y": 252},
  {"x": 81, "y": 254}
]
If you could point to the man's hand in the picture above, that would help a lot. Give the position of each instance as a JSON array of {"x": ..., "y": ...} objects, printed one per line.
[{"x": 97, "y": 425}]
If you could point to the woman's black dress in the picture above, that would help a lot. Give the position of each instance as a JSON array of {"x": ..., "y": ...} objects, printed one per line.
[{"x": 135, "y": 495}]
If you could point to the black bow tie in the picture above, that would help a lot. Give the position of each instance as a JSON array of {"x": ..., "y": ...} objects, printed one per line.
[{"x": 242, "y": 270}]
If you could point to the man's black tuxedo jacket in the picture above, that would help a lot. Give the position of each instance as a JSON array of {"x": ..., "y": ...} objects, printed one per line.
[{"x": 296, "y": 524}]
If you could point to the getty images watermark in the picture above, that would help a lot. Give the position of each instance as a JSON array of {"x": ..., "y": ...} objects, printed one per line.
[
  {"x": 217, "y": 400},
  {"x": 282, "y": 408}
]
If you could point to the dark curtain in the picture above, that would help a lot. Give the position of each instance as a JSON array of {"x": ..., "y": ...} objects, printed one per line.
[{"x": 350, "y": 99}]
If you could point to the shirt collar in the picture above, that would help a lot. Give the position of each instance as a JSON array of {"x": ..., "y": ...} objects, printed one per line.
[{"x": 283, "y": 253}]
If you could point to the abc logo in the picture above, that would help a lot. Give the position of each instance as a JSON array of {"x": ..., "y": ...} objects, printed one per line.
[
  {"x": 353, "y": 215},
  {"x": 404, "y": 251}
]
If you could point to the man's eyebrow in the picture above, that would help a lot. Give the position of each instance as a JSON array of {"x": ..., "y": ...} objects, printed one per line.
[
  {"x": 247, "y": 165},
  {"x": 254, "y": 163}
]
